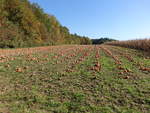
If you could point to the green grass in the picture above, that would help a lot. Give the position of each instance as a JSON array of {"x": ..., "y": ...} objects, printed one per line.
[{"x": 46, "y": 87}]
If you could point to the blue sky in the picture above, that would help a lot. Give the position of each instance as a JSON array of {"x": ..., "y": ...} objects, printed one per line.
[{"x": 119, "y": 19}]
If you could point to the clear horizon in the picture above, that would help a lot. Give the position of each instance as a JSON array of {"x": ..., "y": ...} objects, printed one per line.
[{"x": 118, "y": 19}]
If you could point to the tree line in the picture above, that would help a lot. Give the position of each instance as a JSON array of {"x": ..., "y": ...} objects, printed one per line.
[
  {"x": 102, "y": 40},
  {"x": 23, "y": 24}
]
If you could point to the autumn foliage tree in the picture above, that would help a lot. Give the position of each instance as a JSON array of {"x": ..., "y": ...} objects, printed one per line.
[{"x": 23, "y": 24}]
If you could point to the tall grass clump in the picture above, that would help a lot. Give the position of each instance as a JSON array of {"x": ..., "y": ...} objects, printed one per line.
[{"x": 140, "y": 44}]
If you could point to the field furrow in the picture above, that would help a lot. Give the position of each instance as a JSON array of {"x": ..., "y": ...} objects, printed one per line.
[{"x": 74, "y": 79}]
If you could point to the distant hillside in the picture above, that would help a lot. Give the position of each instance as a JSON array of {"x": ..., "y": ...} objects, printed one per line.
[
  {"x": 102, "y": 40},
  {"x": 23, "y": 24}
]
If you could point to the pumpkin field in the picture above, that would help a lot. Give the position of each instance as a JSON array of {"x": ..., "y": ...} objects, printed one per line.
[{"x": 74, "y": 79}]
